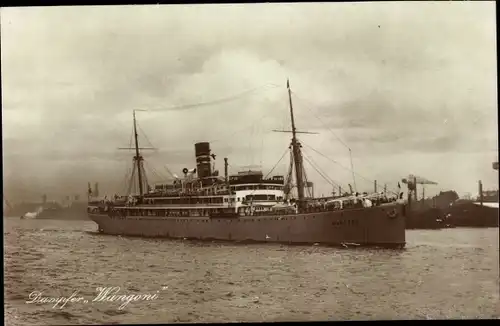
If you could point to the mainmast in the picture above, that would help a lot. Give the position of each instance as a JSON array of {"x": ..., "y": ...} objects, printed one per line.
[
  {"x": 138, "y": 158},
  {"x": 297, "y": 155}
]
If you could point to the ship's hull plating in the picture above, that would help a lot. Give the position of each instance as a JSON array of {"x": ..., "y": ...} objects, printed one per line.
[
  {"x": 469, "y": 214},
  {"x": 67, "y": 213},
  {"x": 382, "y": 226},
  {"x": 425, "y": 218}
]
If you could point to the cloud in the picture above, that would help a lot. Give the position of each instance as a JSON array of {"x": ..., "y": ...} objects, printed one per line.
[{"x": 384, "y": 78}]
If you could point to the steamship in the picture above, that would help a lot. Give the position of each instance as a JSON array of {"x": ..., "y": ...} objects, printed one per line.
[{"x": 249, "y": 207}]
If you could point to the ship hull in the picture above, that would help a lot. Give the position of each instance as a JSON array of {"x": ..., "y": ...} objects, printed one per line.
[
  {"x": 469, "y": 214},
  {"x": 382, "y": 226},
  {"x": 425, "y": 219},
  {"x": 74, "y": 212}
]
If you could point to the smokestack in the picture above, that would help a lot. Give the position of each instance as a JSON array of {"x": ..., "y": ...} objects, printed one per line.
[
  {"x": 225, "y": 169},
  {"x": 96, "y": 190},
  {"x": 481, "y": 192},
  {"x": 415, "y": 191},
  {"x": 203, "y": 159},
  {"x": 375, "y": 186}
]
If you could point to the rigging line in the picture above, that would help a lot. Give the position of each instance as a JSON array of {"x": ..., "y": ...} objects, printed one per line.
[
  {"x": 148, "y": 167},
  {"x": 333, "y": 161},
  {"x": 322, "y": 173},
  {"x": 127, "y": 171},
  {"x": 155, "y": 172},
  {"x": 316, "y": 166},
  {"x": 338, "y": 138},
  {"x": 282, "y": 156},
  {"x": 158, "y": 173},
  {"x": 352, "y": 169},
  {"x": 144, "y": 134},
  {"x": 271, "y": 171},
  {"x": 306, "y": 182},
  {"x": 131, "y": 138},
  {"x": 131, "y": 183},
  {"x": 213, "y": 102},
  {"x": 125, "y": 179},
  {"x": 168, "y": 171},
  {"x": 243, "y": 129},
  {"x": 145, "y": 177},
  {"x": 309, "y": 190},
  {"x": 265, "y": 115},
  {"x": 324, "y": 125}
]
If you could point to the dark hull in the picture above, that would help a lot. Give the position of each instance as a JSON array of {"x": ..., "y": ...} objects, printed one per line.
[
  {"x": 382, "y": 226},
  {"x": 21, "y": 209},
  {"x": 77, "y": 211},
  {"x": 468, "y": 214},
  {"x": 426, "y": 218}
]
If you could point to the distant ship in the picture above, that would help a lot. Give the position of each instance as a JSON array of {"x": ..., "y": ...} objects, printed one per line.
[
  {"x": 17, "y": 210},
  {"x": 482, "y": 211},
  {"x": 32, "y": 215},
  {"x": 74, "y": 210},
  {"x": 249, "y": 206},
  {"x": 423, "y": 213},
  {"x": 479, "y": 212}
]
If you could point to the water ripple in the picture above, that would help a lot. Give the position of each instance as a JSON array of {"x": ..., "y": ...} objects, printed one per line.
[{"x": 442, "y": 274}]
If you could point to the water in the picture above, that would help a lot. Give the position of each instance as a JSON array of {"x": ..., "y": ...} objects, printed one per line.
[{"x": 451, "y": 273}]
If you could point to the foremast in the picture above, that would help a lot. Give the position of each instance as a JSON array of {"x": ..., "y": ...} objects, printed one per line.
[
  {"x": 138, "y": 159},
  {"x": 138, "y": 163},
  {"x": 297, "y": 155}
]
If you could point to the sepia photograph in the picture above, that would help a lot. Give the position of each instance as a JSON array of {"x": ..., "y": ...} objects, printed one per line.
[{"x": 250, "y": 162}]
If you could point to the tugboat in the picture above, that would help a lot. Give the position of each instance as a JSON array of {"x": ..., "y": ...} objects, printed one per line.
[{"x": 248, "y": 206}]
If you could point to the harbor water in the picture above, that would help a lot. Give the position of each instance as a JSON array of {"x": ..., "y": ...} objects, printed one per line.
[{"x": 451, "y": 273}]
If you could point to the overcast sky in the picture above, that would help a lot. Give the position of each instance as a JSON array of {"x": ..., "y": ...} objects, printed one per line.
[{"x": 409, "y": 87}]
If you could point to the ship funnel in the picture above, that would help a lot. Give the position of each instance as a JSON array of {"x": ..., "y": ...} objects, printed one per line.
[{"x": 203, "y": 159}]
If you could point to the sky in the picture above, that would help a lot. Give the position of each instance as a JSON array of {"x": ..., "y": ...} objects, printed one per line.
[{"x": 408, "y": 87}]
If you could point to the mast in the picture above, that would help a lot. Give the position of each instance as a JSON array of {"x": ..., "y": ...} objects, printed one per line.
[
  {"x": 297, "y": 155},
  {"x": 138, "y": 158}
]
